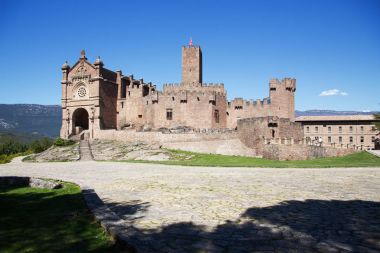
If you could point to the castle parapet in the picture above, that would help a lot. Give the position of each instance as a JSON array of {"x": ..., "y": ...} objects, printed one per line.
[
  {"x": 210, "y": 87},
  {"x": 287, "y": 83},
  {"x": 242, "y": 103}
]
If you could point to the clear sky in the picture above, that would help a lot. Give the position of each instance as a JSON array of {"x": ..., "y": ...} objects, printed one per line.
[{"x": 331, "y": 47}]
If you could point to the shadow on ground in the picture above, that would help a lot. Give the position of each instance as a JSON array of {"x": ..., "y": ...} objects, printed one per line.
[
  {"x": 291, "y": 226},
  {"x": 48, "y": 222}
]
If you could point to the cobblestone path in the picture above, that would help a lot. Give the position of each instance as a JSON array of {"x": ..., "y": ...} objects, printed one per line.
[{"x": 198, "y": 209}]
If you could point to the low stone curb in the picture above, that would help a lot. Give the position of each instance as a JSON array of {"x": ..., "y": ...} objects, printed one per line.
[
  {"x": 30, "y": 181},
  {"x": 108, "y": 220}
]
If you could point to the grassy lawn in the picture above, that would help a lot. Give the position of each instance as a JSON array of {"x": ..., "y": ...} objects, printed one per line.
[
  {"x": 362, "y": 159},
  {"x": 39, "y": 220}
]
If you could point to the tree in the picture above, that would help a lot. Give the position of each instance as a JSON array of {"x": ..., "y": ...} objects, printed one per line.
[{"x": 377, "y": 123}]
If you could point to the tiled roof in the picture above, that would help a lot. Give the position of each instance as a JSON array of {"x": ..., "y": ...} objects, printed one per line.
[{"x": 336, "y": 118}]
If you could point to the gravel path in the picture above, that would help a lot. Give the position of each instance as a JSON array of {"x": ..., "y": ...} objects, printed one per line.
[{"x": 211, "y": 209}]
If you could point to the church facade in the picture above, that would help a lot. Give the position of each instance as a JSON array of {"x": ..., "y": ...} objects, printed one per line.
[{"x": 95, "y": 98}]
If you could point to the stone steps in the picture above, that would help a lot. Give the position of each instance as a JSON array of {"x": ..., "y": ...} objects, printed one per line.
[{"x": 85, "y": 151}]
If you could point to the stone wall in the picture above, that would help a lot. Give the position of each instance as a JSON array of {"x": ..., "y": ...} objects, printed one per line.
[
  {"x": 223, "y": 147},
  {"x": 254, "y": 132},
  {"x": 301, "y": 152},
  {"x": 158, "y": 137}
]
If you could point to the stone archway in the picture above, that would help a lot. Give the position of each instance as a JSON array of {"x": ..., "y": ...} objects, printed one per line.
[{"x": 80, "y": 120}]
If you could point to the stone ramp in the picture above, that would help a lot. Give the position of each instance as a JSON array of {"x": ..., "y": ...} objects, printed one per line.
[
  {"x": 374, "y": 152},
  {"x": 85, "y": 151}
]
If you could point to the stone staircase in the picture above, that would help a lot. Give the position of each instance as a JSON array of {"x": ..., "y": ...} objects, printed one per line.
[{"x": 85, "y": 151}]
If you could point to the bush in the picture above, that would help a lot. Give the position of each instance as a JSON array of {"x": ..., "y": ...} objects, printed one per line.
[
  {"x": 62, "y": 142},
  {"x": 40, "y": 145},
  {"x": 10, "y": 146}
]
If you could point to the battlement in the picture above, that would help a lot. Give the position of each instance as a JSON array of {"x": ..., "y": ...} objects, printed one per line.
[
  {"x": 287, "y": 83},
  {"x": 191, "y": 46},
  {"x": 193, "y": 93},
  {"x": 240, "y": 102},
  {"x": 204, "y": 87},
  {"x": 138, "y": 83}
]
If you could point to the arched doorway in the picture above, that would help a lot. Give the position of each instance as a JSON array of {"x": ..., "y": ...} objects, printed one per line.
[{"x": 80, "y": 119}]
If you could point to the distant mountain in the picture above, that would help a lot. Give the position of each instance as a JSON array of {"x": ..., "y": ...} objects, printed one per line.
[
  {"x": 331, "y": 113},
  {"x": 45, "y": 120},
  {"x": 41, "y": 120}
]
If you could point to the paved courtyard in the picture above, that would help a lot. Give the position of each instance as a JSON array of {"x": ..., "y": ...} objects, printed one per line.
[{"x": 211, "y": 209}]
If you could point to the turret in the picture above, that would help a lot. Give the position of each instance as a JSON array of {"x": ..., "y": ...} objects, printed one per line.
[
  {"x": 191, "y": 64},
  {"x": 281, "y": 95}
]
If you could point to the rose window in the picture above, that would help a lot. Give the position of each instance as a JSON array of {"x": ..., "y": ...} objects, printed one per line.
[{"x": 82, "y": 92}]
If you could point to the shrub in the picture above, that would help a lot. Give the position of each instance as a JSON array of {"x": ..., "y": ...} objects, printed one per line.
[
  {"x": 10, "y": 146},
  {"x": 40, "y": 145},
  {"x": 62, "y": 142}
]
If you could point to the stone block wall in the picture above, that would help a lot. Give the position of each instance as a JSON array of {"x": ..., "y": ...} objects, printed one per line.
[
  {"x": 254, "y": 132},
  {"x": 301, "y": 152},
  {"x": 158, "y": 137}
]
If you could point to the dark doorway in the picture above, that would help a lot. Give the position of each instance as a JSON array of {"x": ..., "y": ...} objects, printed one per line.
[{"x": 80, "y": 118}]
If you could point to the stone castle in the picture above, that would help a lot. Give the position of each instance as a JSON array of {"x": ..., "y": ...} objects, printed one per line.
[{"x": 95, "y": 99}]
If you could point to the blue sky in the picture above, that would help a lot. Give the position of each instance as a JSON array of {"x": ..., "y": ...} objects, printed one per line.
[{"x": 331, "y": 47}]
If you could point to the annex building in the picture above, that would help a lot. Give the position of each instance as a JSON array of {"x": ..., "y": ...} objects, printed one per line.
[{"x": 343, "y": 131}]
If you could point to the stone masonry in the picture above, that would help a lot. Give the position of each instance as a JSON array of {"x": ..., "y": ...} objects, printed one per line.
[{"x": 96, "y": 99}]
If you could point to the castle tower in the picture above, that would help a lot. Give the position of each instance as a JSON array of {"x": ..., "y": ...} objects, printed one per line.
[
  {"x": 191, "y": 64},
  {"x": 281, "y": 95}
]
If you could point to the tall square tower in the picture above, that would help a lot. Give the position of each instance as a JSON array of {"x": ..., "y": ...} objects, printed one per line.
[{"x": 191, "y": 65}]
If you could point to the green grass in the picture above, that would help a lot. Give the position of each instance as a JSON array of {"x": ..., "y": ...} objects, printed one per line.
[
  {"x": 40, "y": 220},
  {"x": 361, "y": 159}
]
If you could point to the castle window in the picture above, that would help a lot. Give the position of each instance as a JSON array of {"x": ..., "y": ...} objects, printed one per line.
[
  {"x": 129, "y": 93},
  {"x": 227, "y": 114},
  {"x": 123, "y": 91},
  {"x": 316, "y": 129},
  {"x": 329, "y": 139},
  {"x": 340, "y": 129},
  {"x": 216, "y": 116},
  {"x": 361, "y": 139},
  {"x": 183, "y": 101},
  {"x": 173, "y": 98},
  {"x": 198, "y": 98},
  {"x": 169, "y": 114},
  {"x": 273, "y": 89},
  {"x": 362, "y": 128},
  {"x": 329, "y": 129},
  {"x": 140, "y": 116},
  {"x": 340, "y": 139},
  {"x": 373, "y": 138},
  {"x": 146, "y": 102},
  {"x": 351, "y": 128},
  {"x": 307, "y": 129},
  {"x": 351, "y": 139},
  {"x": 238, "y": 107}
]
